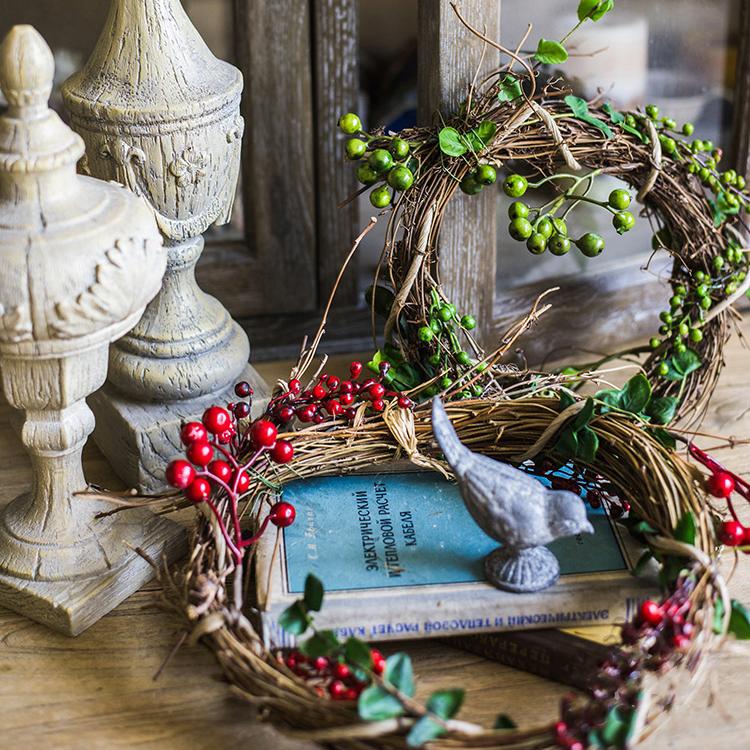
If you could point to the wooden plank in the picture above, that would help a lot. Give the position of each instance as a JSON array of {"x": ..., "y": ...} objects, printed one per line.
[
  {"x": 448, "y": 56},
  {"x": 741, "y": 111},
  {"x": 598, "y": 312},
  {"x": 96, "y": 691},
  {"x": 274, "y": 54},
  {"x": 336, "y": 88},
  {"x": 280, "y": 336}
]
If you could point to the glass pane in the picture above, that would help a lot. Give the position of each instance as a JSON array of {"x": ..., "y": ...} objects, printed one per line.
[{"x": 678, "y": 54}]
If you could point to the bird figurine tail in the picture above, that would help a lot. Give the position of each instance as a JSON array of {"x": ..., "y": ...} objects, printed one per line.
[{"x": 455, "y": 451}]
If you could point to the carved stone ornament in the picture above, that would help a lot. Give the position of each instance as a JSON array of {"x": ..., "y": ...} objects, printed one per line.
[
  {"x": 161, "y": 115},
  {"x": 80, "y": 260}
]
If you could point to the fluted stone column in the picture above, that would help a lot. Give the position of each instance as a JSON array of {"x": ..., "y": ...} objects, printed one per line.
[
  {"x": 79, "y": 260},
  {"x": 160, "y": 114}
]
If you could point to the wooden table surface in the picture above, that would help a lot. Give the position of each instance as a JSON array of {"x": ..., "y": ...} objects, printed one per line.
[{"x": 96, "y": 691}]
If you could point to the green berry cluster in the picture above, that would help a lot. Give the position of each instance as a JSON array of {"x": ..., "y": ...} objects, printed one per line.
[
  {"x": 449, "y": 360},
  {"x": 701, "y": 159},
  {"x": 682, "y": 324},
  {"x": 483, "y": 174},
  {"x": 384, "y": 159},
  {"x": 542, "y": 230},
  {"x": 697, "y": 291}
]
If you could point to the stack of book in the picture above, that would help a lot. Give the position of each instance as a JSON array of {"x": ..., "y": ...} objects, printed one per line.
[{"x": 400, "y": 558}]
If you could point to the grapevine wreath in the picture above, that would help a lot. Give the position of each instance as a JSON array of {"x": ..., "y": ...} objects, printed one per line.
[{"x": 624, "y": 442}]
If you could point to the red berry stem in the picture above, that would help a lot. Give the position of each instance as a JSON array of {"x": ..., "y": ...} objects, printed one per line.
[
  {"x": 232, "y": 460},
  {"x": 258, "y": 534},
  {"x": 740, "y": 485},
  {"x": 222, "y": 527}
]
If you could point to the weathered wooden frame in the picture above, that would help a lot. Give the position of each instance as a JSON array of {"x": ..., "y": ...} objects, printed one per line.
[{"x": 302, "y": 57}]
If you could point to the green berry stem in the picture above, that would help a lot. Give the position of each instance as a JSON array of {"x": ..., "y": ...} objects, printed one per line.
[
  {"x": 579, "y": 198},
  {"x": 561, "y": 176}
]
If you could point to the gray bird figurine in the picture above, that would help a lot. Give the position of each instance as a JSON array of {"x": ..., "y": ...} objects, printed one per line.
[{"x": 513, "y": 508}]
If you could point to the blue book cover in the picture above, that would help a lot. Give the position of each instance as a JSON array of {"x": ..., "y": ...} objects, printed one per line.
[
  {"x": 374, "y": 531},
  {"x": 399, "y": 555}
]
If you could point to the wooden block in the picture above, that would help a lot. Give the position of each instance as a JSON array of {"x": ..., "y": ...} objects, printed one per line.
[
  {"x": 139, "y": 438},
  {"x": 72, "y": 605}
]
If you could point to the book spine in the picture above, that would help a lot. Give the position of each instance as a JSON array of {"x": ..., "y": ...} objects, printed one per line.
[
  {"x": 552, "y": 654},
  {"x": 382, "y": 623}
]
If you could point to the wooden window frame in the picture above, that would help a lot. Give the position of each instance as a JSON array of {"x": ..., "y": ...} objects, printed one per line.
[{"x": 301, "y": 57}]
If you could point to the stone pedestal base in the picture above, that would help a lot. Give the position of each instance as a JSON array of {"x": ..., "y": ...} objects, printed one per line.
[
  {"x": 140, "y": 438},
  {"x": 521, "y": 570},
  {"x": 70, "y": 606}
]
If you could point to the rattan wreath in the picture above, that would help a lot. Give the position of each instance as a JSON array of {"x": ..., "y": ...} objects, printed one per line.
[{"x": 518, "y": 416}]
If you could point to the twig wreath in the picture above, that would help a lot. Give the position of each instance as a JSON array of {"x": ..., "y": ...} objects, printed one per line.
[{"x": 621, "y": 441}]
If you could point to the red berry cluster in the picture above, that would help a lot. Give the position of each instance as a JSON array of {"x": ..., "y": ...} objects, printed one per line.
[
  {"x": 721, "y": 483},
  {"x": 331, "y": 398},
  {"x": 661, "y": 629},
  {"x": 592, "y": 487},
  {"x": 617, "y": 684},
  {"x": 331, "y": 676},
  {"x": 214, "y": 461}
]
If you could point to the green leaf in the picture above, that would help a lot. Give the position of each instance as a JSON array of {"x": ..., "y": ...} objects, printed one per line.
[
  {"x": 510, "y": 89},
  {"x": 604, "y": 7},
  {"x": 377, "y": 704},
  {"x": 567, "y": 443},
  {"x": 451, "y": 142},
  {"x": 480, "y": 137},
  {"x": 423, "y": 731},
  {"x": 685, "y": 530},
  {"x": 486, "y": 131},
  {"x": 682, "y": 364},
  {"x": 588, "y": 444},
  {"x": 294, "y": 619},
  {"x": 580, "y": 110},
  {"x": 384, "y": 298},
  {"x": 503, "y": 721},
  {"x": 321, "y": 643},
  {"x": 400, "y": 673},
  {"x": 445, "y": 703},
  {"x": 721, "y": 209},
  {"x": 718, "y": 623},
  {"x": 550, "y": 52},
  {"x": 664, "y": 437},
  {"x": 577, "y": 106},
  {"x": 584, "y": 416},
  {"x": 617, "y": 117},
  {"x": 594, "y": 9},
  {"x": 610, "y": 397},
  {"x": 586, "y": 8},
  {"x": 739, "y": 621},
  {"x": 615, "y": 728},
  {"x": 671, "y": 569},
  {"x": 566, "y": 400},
  {"x": 636, "y": 394},
  {"x": 662, "y": 409},
  {"x": 313, "y": 593},
  {"x": 357, "y": 653},
  {"x": 638, "y": 528}
]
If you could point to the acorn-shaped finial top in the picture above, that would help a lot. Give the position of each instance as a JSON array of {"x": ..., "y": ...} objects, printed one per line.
[
  {"x": 32, "y": 136},
  {"x": 27, "y": 69}
]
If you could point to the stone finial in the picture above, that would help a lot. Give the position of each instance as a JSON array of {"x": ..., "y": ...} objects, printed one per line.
[
  {"x": 27, "y": 69},
  {"x": 79, "y": 260},
  {"x": 161, "y": 115}
]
